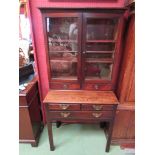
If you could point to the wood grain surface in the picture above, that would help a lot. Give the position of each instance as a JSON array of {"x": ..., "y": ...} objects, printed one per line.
[{"x": 81, "y": 96}]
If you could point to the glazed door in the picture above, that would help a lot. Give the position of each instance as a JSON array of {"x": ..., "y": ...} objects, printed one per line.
[
  {"x": 64, "y": 49},
  {"x": 100, "y": 49}
]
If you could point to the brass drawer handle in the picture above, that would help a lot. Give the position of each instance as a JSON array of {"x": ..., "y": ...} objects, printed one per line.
[
  {"x": 64, "y": 106},
  {"x": 97, "y": 115},
  {"x": 97, "y": 107},
  {"x": 65, "y": 114}
]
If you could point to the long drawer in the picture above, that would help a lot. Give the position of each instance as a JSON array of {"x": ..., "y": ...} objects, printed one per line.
[{"x": 52, "y": 115}]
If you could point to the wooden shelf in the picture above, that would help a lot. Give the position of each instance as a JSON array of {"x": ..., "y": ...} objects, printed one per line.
[
  {"x": 89, "y": 60},
  {"x": 65, "y": 77},
  {"x": 106, "y": 52},
  {"x": 63, "y": 51},
  {"x": 64, "y": 60},
  {"x": 100, "y": 41},
  {"x": 66, "y": 40},
  {"x": 90, "y": 78}
]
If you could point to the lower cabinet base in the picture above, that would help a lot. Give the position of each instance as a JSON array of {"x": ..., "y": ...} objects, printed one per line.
[
  {"x": 30, "y": 115},
  {"x": 124, "y": 127},
  {"x": 122, "y": 141},
  {"x": 34, "y": 142},
  {"x": 117, "y": 141},
  {"x": 80, "y": 107}
]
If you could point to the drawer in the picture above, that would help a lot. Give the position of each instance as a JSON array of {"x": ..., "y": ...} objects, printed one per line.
[
  {"x": 64, "y": 106},
  {"x": 22, "y": 101},
  {"x": 65, "y": 86},
  {"x": 96, "y": 107},
  {"x": 26, "y": 98},
  {"x": 97, "y": 86},
  {"x": 84, "y": 115}
]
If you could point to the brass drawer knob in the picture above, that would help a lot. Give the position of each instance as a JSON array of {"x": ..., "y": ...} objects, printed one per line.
[
  {"x": 65, "y": 114},
  {"x": 96, "y": 86},
  {"x": 65, "y": 86},
  {"x": 97, "y": 115},
  {"x": 64, "y": 106},
  {"x": 97, "y": 107}
]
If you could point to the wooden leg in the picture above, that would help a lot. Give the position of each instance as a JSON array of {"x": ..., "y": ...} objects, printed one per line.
[
  {"x": 50, "y": 135},
  {"x": 109, "y": 136},
  {"x": 35, "y": 144},
  {"x": 58, "y": 124},
  {"x": 102, "y": 125}
]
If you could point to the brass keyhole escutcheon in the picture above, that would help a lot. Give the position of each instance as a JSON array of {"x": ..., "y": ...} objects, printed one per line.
[
  {"x": 65, "y": 86},
  {"x": 64, "y": 106},
  {"x": 97, "y": 107}
]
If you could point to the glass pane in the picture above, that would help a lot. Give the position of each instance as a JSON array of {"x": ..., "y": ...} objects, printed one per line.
[
  {"x": 101, "y": 29},
  {"x": 63, "y": 69},
  {"x": 62, "y": 34},
  {"x": 100, "y": 46},
  {"x": 63, "y": 46},
  {"x": 98, "y": 71}
]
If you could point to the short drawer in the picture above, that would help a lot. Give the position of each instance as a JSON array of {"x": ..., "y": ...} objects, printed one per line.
[
  {"x": 64, "y": 106},
  {"x": 97, "y": 86},
  {"x": 65, "y": 86},
  {"x": 96, "y": 107},
  {"x": 84, "y": 115},
  {"x": 26, "y": 98}
]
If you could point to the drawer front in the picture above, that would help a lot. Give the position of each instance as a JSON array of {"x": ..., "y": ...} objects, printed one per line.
[
  {"x": 32, "y": 93},
  {"x": 85, "y": 115},
  {"x": 27, "y": 99},
  {"x": 65, "y": 86},
  {"x": 96, "y": 107},
  {"x": 22, "y": 101},
  {"x": 64, "y": 106},
  {"x": 97, "y": 86}
]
